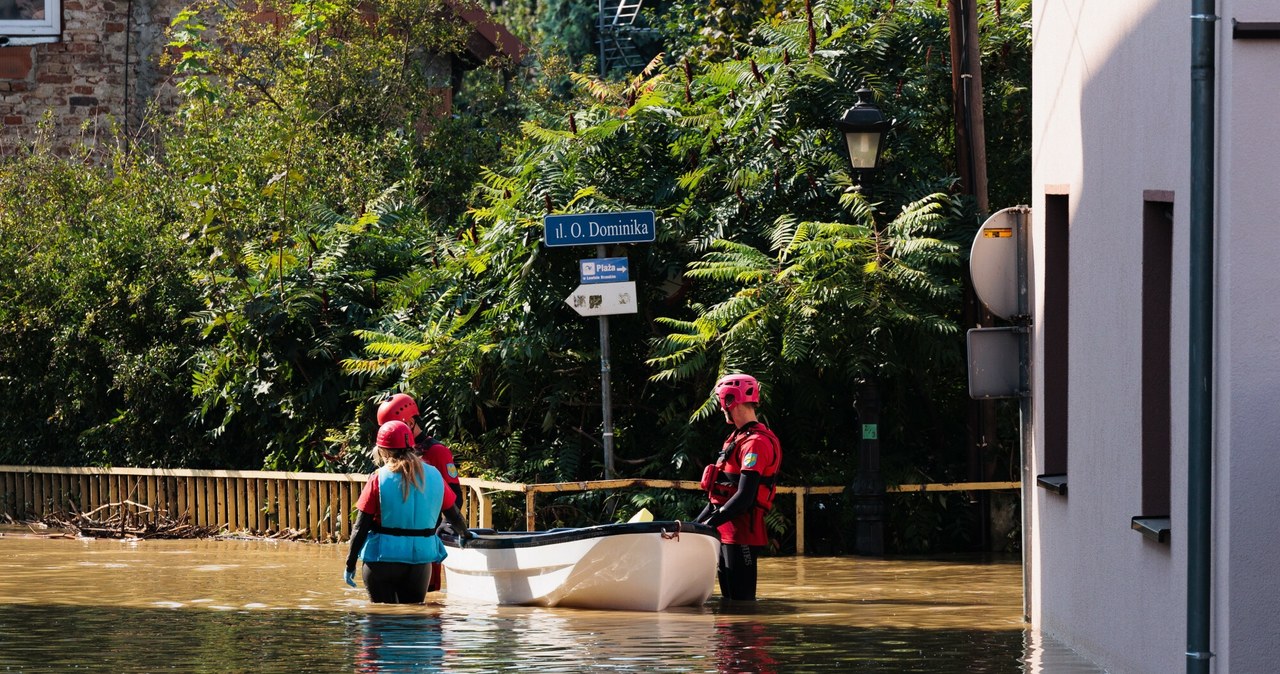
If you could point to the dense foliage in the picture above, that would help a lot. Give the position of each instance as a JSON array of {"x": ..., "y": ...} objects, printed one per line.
[
  {"x": 306, "y": 236},
  {"x": 189, "y": 303},
  {"x": 93, "y": 303}
]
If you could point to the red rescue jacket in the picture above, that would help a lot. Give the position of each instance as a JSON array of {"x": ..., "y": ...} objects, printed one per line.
[{"x": 721, "y": 478}]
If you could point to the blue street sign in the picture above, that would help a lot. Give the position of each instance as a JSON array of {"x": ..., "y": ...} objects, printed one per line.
[
  {"x": 603, "y": 270},
  {"x": 590, "y": 229}
]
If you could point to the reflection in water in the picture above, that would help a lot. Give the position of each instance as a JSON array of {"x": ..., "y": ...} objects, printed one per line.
[
  {"x": 400, "y": 643},
  {"x": 745, "y": 647},
  {"x": 218, "y": 606}
]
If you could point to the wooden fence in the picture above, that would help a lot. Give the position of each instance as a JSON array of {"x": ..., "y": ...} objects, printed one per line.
[
  {"x": 317, "y": 504},
  {"x": 257, "y": 502},
  {"x": 532, "y": 490}
]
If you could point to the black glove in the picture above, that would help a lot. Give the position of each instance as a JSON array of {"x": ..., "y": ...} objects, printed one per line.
[
  {"x": 741, "y": 501},
  {"x": 458, "y": 525}
]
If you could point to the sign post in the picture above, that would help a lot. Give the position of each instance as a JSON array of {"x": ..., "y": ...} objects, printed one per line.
[
  {"x": 606, "y": 387},
  {"x": 605, "y": 289},
  {"x": 1000, "y": 358}
]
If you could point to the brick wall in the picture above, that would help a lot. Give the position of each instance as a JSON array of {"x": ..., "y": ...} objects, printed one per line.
[
  {"x": 106, "y": 70},
  {"x": 80, "y": 82}
]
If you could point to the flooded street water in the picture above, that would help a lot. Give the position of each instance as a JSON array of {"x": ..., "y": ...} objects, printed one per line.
[{"x": 252, "y": 606}]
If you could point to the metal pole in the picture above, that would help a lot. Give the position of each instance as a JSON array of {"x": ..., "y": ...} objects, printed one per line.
[
  {"x": 606, "y": 397},
  {"x": 1200, "y": 364},
  {"x": 868, "y": 487},
  {"x": 1023, "y": 320},
  {"x": 600, "y": 37}
]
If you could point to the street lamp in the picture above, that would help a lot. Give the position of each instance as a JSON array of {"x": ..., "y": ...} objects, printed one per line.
[{"x": 864, "y": 129}]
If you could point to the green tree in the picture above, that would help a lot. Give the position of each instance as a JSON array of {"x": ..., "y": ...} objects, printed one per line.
[
  {"x": 768, "y": 258},
  {"x": 92, "y": 303},
  {"x": 320, "y": 164},
  {"x": 568, "y": 26},
  {"x": 304, "y": 236},
  {"x": 713, "y": 30},
  {"x": 188, "y": 302}
]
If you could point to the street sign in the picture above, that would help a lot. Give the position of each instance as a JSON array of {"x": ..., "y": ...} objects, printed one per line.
[
  {"x": 603, "y": 299},
  {"x": 602, "y": 270},
  {"x": 993, "y": 261},
  {"x": 591, "y": 229},
  {"x": 993, "y": 362}
]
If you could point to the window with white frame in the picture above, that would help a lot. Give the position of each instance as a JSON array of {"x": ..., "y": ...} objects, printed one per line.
[{"x": 30, "y": 19}]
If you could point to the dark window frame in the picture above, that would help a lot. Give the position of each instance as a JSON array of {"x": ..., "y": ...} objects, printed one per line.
[
  {"x": 1056, "y": 329},
  {"x": 1156, "y": 409}
]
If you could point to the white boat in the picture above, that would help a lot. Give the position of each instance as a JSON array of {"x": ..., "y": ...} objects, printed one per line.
[{"x": 638, "y": 566}]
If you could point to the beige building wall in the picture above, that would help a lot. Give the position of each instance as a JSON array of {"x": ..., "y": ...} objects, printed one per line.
[{"x": 1111, "y": 136}]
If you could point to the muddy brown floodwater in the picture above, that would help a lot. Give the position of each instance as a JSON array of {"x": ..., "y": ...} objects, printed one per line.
[{"x": 253, "y": 606}]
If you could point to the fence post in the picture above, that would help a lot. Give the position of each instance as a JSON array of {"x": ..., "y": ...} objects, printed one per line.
[
  {"x": 479, "y": 508},
  {"x": 800, "y": 520},
  {"x": 486, "y": 509}
]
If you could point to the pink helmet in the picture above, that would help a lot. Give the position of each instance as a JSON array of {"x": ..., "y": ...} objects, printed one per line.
[
  {"x": 395, "y": 434},
  {"x": 400, "y": 407},
  {"x": 733, "y": 389}
]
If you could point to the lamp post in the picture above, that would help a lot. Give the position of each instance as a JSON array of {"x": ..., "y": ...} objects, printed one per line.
[
  {"x": 867, "y": 490},
  {"x": 864, "y": 128}
]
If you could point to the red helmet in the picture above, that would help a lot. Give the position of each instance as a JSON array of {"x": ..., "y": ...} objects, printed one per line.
[
  {"x": 395, "y": 435},
  {"x": 400, "y": 407},
  {"x": 733, "y": 389}
]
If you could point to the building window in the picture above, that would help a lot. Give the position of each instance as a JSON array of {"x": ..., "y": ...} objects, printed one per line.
[
  {"x": 22, "y": 20},
  {"x": 1157, "y": 297},
  {"x": 1055, "y": 331}
]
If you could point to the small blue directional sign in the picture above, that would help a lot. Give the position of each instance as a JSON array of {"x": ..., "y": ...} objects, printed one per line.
[
  {"x": 591, "y": 229},
  {"x": 603, "y": 270}
]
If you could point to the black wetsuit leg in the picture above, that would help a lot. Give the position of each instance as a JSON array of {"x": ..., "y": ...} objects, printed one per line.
[
  {"x": 737, "y": 571},
  {"x": 396, "y": 583}
]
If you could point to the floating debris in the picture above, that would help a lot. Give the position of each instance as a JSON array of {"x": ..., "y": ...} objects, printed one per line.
[
  {"x": 125, "y": 519},
  {"x": 132, "y": 520}
]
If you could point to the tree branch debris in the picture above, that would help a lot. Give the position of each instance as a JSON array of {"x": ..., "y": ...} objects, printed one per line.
[{"x": 134, "y": 521}]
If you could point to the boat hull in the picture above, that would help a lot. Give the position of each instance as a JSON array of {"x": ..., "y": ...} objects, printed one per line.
[{"x": 647, "y": 566}]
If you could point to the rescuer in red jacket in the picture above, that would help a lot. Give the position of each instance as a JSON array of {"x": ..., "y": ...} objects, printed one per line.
[{"x": 740, "y": 486}]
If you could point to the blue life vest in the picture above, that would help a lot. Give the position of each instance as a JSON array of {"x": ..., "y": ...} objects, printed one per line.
[{"x": 402, "y": 532}]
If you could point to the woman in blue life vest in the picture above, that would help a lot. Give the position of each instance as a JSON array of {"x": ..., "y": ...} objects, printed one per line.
[
  {"x": 395, "y": 530},
  {"x": 402, "y": 407},
  {"x": 740, "y": 486}
]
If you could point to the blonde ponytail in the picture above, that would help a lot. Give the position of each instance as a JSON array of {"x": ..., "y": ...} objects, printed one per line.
[{"x": 404, "y": 461}]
